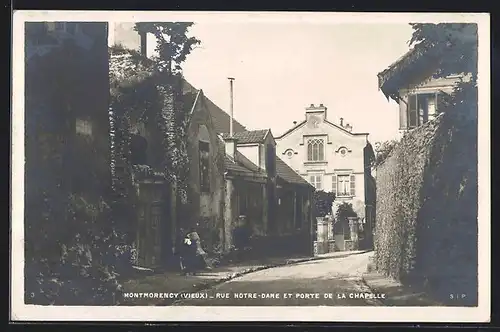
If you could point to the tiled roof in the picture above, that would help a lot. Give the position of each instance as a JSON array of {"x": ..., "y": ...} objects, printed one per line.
[
  {"x": 250, "y": 136},
  {"x": 243, "y": 166},
  {"x": 220, "y": 118},
  {"x": 286, "y": 173}
]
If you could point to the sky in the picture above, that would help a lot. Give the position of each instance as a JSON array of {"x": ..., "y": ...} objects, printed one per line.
[{"x": 281, "y": 68}]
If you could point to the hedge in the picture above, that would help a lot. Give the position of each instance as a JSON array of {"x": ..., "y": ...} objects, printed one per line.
[{"x": 426, "y": 232}]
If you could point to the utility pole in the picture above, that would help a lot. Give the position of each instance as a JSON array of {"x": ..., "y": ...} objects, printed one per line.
[{"x": 231, "y": 79}]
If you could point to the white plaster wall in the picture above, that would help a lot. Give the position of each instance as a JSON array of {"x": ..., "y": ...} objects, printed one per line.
[{"x": 334, "y": 162}]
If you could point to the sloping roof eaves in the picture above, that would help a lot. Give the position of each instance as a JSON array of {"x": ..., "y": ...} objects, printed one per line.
[
  {"x": 220, "y": 118},
  {"x": 250, "y": 136},
  {"x": 418, "y": 58},
  {"x": 287, "y": 174},
  {"x": 289, "y": 131}
]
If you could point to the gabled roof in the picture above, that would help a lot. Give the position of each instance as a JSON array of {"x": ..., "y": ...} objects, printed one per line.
[
  {"x": 250, "y": 136},
  {"x": 287, "y": 174},
  {"x": 219, "y": 117},
  {"x": 298, "y": 125}
]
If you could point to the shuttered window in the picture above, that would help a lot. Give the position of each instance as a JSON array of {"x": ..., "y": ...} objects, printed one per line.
[
  {"x": 334, "y": 184},
  {"x": 344, "y": 185},
  {"x": 353, "y": 185},
  {"x": 412, "y": 111}
]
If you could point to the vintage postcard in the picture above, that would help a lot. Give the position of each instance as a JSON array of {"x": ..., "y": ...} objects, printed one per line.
[{"x": 193, "y": 166}]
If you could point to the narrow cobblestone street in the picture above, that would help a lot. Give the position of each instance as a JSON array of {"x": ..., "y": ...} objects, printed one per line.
[{"x": 336, "y": 282}]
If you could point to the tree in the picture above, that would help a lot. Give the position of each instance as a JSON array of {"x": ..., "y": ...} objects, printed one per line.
[
  {"x": 323, "y": 201},
  {"x": 173, "y": 46},
  {"x": 345, "y": 211},
  {"x": 455, "y": 46}
]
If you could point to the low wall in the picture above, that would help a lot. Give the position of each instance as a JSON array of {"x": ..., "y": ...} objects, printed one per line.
[{"x": 426, "y": 222}]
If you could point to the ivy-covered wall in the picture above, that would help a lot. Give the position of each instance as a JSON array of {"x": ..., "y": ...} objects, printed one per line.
[{"x": 426, "y": 232}]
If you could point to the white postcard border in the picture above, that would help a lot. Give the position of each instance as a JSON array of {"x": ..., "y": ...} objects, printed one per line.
[{"x": 20, "y": 311}]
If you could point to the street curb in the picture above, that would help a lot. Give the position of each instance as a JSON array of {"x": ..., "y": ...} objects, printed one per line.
[{"x": 235, "y": 275}]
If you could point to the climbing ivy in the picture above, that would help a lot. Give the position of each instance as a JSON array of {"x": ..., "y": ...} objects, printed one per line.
[{"x": 145, "y": 87}]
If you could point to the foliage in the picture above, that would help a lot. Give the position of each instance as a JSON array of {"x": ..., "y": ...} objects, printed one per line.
[
  {"x": 456, "y": 44},
  {"x": 344, "y": 211},
  {"x": 323, "y": 203},
  {"x": 173, "y": 44},
  {"x": 383, "y": 151},
  {"x": 153, "y": 88},
  {"x": 438, "y": 50}
]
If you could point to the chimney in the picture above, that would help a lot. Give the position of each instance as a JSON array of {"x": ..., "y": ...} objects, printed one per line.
[
  {"x": 316, "y": 111},
  {"x": 348, "y": 127},
  {"x": 231, "y": 79},
  {"x": 342, "y": 122},
  {"x": 230, "y": 144}
]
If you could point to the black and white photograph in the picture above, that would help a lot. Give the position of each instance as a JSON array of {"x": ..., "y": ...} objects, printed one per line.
[{"x": 250, "y": 166}]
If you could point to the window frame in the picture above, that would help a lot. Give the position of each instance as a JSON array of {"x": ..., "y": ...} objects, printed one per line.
[
  {"x": 351, "y": 181},
  {"x": 421, "y": 116},
  {"x": 315, "y": 182},
  {"x": 313, "y": 142},
  {"x": 346, "y": 192}
]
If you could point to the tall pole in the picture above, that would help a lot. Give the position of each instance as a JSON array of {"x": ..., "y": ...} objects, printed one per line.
[{"x": 231, "y": 79}]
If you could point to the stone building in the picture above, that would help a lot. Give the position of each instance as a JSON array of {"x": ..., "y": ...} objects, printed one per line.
[
  {"x": 332, "y": 158},
  {"x": 228, "y": 177},
  {"x": 275, "y": 200}
]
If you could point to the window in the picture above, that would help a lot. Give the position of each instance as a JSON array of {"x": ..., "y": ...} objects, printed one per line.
[
  {"x": 83, "y": 127},
  {"x": 343, "y": 185},
  {"x": 204, "y": 148},
  {"x": 316, "y": 180},
  {"x": 68, "y": 27},
  {"x": 315, "y": 149},
  {"x": 422, "y": 108}
]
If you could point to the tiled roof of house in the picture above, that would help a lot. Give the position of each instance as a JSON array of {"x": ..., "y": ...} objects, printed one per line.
[
  {"x": 243, "y": 166},
  {"x": 250, "y": 136},
  {"x": 220, "y": 118},
  {"x": 286, "y": 173}
]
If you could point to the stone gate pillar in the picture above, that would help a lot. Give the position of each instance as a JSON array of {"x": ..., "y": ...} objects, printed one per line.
[
  {"x": 321, "y": 244},
  {"x": 354, "y": 226}
]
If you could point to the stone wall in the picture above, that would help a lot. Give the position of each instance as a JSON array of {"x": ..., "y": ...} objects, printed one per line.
[{"x": 426, "y": 232}]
